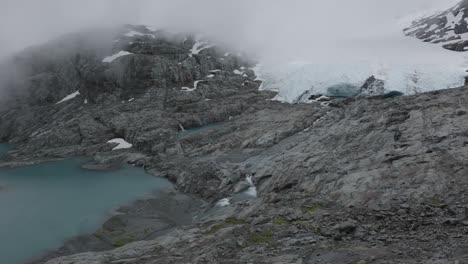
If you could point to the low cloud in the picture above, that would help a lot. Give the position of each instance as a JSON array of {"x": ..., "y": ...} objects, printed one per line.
[{"x": 295, "y": 29}]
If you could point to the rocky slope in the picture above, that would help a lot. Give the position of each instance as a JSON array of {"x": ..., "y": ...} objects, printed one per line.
[
  {"x": 360, "y": 180},
  {"x": 448, "y": 28},
  {"x": 366, "y": 181}
]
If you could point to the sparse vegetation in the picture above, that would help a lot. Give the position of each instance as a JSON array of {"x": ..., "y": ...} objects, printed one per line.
[
  {"x": 274, "y": 245},
  {"x": 281, "y": 222},
  {"x": 265, "y": 236},
  {"x": 227, "y": 221},
  {"x": 436, "y": 201},
  {"x": 234, "y": 221},
  {"x": 99, "y": 235},
  {"x": 359, "y": 261},
  {"x": 310, "y": 209},
  {"x": 216, "y": 228},
  {"x": 122, "y": 242}
]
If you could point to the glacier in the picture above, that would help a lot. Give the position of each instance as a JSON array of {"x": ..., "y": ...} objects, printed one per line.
[
  {"x": 293, "y": 79},
  {"x": 404, "y": 64}
]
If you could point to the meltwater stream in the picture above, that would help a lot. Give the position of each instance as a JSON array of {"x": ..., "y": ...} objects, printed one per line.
[
  {"x": 43, "y": 205},
  {"x": 197, "y": 130}
]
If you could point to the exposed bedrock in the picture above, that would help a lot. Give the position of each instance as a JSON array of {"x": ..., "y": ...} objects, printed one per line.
[{"x": 377, "y": 179}]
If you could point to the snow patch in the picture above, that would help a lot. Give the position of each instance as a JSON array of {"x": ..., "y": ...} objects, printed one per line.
[
  {"x": 195, "y": 86},
  {"x": 453, "y": 20},
  {"x": 122, "y": 144},
  {"x": 119, "y": 54},
  {"x": 69, "y": 97}
]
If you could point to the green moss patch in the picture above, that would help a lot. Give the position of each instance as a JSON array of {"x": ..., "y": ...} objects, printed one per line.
[
  {"x": 122, "y": 242},
  {"x": 216, "y": 228},
  {"x": 436, "y": 201},
  {"x": 234, "y": 221},
  {"x": 281, "y": 222},
  {"x": 264, "y": 236},
  {"x": 274, "y": 245},
  {"x": 99, "y": 235}
]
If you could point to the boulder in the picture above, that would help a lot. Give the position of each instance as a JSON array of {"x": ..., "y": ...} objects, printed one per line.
[{"x": 372, "y": 87}]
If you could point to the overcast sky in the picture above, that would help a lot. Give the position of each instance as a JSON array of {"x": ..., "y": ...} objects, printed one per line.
[{"x": 292, "y": 27}]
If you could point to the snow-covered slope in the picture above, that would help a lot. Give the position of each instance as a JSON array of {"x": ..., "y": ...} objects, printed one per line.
[
  {"x": 403, "y": 63},
  {"x": 448, "y": 28}
]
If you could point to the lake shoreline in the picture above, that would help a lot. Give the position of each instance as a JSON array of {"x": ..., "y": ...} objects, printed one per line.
[
  {"x": 132, "y": 220},
  {"x": 140, "y": 219}
]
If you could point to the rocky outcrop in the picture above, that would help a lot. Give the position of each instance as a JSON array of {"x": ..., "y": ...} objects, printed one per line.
[
  {"x": 372, "y": 87},
  {"x": 358, "y": 180}
]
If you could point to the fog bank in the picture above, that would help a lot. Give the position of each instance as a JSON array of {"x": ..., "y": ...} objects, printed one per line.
[{"x": 299, "y": 29}]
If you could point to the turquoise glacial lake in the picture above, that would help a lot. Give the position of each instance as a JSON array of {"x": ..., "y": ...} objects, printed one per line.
[{"x": 44, "y": 205}]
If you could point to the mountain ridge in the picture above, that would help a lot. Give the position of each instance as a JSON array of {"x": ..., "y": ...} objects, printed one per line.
[{"x": 448, "y": 28}]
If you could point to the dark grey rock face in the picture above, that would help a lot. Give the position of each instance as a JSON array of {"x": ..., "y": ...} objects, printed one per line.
[
  {"x": 142, "y": 97},
  {"x": 358, "y": 180},
  {"x": 372, "y": 87},
  {"x": 369, "y": 180},
  {"x": 448, "y": 28}
]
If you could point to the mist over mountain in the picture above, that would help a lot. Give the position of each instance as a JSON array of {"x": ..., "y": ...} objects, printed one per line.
[
  {"x": 356, "y": 40},
  {"x": 259, "y": 26}
]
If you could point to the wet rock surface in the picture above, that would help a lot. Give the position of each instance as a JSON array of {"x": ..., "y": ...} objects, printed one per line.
[{"x": 356, "y": 180}]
